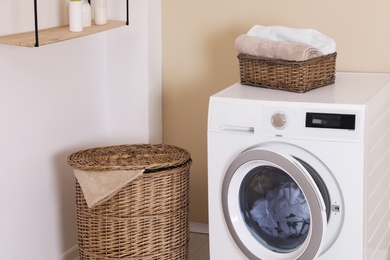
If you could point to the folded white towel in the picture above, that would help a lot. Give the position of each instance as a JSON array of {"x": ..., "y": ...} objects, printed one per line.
[{"x": 311, "y": 37}]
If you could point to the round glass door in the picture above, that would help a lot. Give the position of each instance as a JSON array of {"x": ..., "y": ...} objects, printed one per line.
[
  {"x": 274, "y": 209},
  {"x": 273, "y": 206}
]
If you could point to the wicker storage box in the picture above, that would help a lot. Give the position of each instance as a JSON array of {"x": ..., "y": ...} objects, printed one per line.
[
  {"x": 295, "y": 76},
  {"x": 148, "y": 218}
]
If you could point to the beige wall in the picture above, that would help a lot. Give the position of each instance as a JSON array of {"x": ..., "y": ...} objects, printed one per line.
[{"x": 199, "y": 58}]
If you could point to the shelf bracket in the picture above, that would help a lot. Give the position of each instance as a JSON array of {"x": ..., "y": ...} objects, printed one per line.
[
  {"x": 36, "y": 23},
  {"x": 127, "y": 12}
]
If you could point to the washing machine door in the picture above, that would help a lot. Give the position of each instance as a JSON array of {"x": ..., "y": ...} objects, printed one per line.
[{"x": 273, "y": 207}]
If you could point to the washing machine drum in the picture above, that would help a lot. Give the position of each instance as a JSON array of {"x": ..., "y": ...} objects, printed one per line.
[{"x": 276, "y": 206}]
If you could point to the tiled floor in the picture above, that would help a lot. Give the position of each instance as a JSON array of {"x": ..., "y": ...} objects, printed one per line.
[{"x": 199, "y": 246}]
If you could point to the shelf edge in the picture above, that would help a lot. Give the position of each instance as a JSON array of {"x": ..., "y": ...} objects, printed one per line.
[{"x": 56, "y": 34}]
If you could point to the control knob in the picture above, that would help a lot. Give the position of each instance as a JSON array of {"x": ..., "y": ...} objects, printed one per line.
[{"x": 279, "y": 120}]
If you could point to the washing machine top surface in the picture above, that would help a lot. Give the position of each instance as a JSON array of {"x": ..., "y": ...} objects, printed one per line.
[
  {"x": 349, "y": 89},
  {"x": 333, "y": 112}
]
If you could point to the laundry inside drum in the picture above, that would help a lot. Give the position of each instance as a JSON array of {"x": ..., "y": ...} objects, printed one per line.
[{"x": 275, "y": 209}]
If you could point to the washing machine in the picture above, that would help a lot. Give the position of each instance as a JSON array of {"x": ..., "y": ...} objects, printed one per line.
[{"x": 300, "y": 176}]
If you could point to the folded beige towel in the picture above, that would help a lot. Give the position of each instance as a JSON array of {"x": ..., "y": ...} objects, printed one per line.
[
  {"x": 98, "y": 187},
  {"x": 254, "y": 46}
]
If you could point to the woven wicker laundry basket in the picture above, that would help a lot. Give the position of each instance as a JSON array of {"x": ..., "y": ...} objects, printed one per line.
[
  {"x": 294, "y": 76},
  {"x": 146, "y": 219}
]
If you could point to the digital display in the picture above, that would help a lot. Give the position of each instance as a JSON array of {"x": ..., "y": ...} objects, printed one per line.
[{"x": 335, "y": 121}]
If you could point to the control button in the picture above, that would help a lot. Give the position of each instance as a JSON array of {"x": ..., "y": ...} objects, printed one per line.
[
  {"x": 279, "y": 120},
  {"x": 336, "y": 208}
]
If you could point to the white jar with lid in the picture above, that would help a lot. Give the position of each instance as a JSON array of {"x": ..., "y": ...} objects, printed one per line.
[
  {"x": 100, "y": 12},
  {"x": 75, "y": 16}
]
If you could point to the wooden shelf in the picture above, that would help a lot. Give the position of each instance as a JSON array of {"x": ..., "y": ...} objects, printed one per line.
[{"x": 56, "y": 34}]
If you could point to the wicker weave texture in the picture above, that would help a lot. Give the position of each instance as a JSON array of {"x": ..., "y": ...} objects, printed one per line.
[
  {"x": 294, "y": 76},
  {"x": 129, "y": 157},
  {"x": 147, "y": 219}
]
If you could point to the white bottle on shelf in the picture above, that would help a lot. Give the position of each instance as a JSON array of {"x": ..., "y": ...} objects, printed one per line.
[
  {"x": 87, "y": 17},
  {"x": 100, "y": 12},
  {"x": 75, "y": 16}
]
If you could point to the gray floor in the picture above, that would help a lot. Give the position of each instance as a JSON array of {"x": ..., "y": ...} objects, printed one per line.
[{"x": 199, "y": 246}]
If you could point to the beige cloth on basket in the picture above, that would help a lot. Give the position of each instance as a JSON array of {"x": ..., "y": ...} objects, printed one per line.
[
  {"x": 275, "y": 49},
  {"x": 98, "y": 187}
]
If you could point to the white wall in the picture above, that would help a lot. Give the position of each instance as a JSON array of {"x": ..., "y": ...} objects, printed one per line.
[{"x": 102, "y": 89}]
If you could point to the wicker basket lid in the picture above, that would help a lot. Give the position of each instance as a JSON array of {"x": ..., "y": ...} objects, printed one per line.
[{"x": 150, "y": 157}]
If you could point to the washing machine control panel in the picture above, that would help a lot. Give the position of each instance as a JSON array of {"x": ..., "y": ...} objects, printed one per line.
[
  {"x": 279, "y": 120},
  {"x": 297, "y": 122}
]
